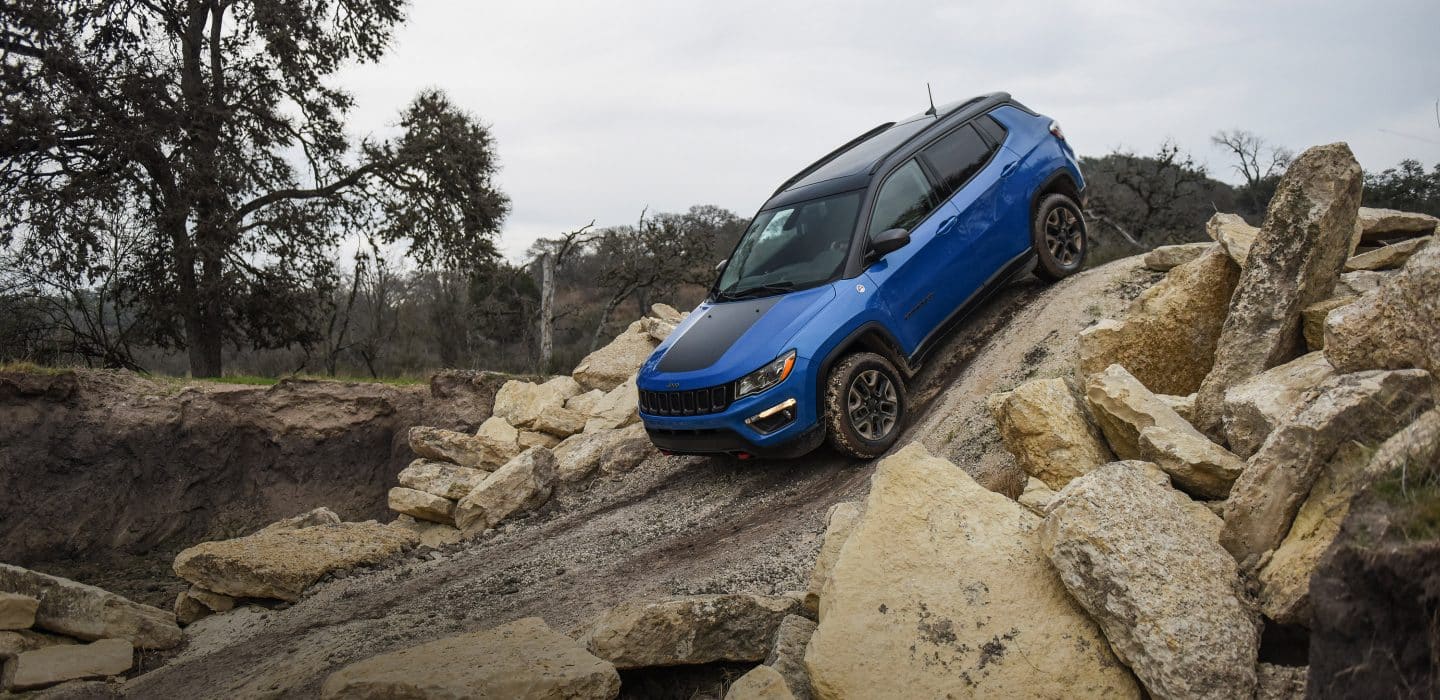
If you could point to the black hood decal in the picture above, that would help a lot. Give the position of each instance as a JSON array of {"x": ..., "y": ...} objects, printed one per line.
[{"x": 706, "y": 340}]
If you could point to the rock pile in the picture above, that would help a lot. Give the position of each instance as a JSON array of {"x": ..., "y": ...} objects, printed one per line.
[{"x": 54, "y": 630}]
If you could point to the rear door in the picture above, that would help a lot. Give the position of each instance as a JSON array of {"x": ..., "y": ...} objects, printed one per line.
[{"x": 970, "y": 169}]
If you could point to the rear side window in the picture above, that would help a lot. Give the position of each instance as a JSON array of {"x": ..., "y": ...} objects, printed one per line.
[
  {"x": 956, "y": 157},
  {"x": 995, "y": 130},
  {"x": 904, "y": 199}
]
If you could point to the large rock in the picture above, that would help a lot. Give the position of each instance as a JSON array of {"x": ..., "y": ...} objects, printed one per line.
[
  {"x": 759, "y": 683},
  {"x": 1312, "y": 319},
  {"x": 1308, "y": 234},
  {"x": 613, "y": 451},
  {"x": 1254, "y": 407},
  {"x": 447, "y": 446},
  {"x": 521, "y": 404},
  {"x": 1166, "y": 257},
  {"x": 1046, "y": 427},
  {"x": 1169, "y": 599},
  {"x": 17, "y": 611},
  {"x": 524, "y": 659},
  {"x": 1361, "y": 282},
  {"x": 1376, "y": 224},
  {"x": 499, "y": 442},
  {"x": 1233, "y": 234},
  {"x": 619, "y": 407},
  {"x": 688, "y": 630},
  {"x": 283, "y": 564},
  {"x": 422, "y": 505},
  {"x": 441, "y": 478},
  {"x": 1036, "y": 497},
  {"x": 428, "y": 534},
  {"x": 310, "y": 518},
  {"x": 16, "y": 641},
  {"x": 787, "y": 654},
  {"x": 839, "y": 523},
  {"x": 584, "y": 404},
  {"x": 535, "y": 438},
  {"x": 1387, "y": 257},
  {"x": 1285, "y": 578},
  {"x": 1396, "y": 326},
  {"x": 524, "y": 483},
  {"x": 1365, "y": 406},
  {"x": 1195, "y": 465},
  {"x": 611, "y": 365},
  {"x": 89, "y": 613},
  {"x": 196, "y": 603},
  {"x": 942, "y": 590},
  {"x": 42, "y": 668},
  {"x": 560, "y": 422},
  {"x": 1168, "y": 336}
]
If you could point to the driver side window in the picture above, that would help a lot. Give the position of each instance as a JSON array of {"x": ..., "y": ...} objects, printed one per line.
[{"x": 903, "y": 201}]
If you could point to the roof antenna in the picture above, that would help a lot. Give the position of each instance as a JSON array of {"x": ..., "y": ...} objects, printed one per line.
[{"x": 930, "y": 111}]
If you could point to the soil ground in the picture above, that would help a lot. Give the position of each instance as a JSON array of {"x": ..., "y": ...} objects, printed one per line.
[{"x": 673, "y": 526}]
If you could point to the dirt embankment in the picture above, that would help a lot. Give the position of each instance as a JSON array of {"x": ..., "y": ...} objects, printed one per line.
[{"x": 100, "y": 464}]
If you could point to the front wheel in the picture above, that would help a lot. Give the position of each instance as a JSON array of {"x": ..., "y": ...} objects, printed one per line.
[
  {"x": 1057, "y": 232},
  {"x": 864, "y": 405}
]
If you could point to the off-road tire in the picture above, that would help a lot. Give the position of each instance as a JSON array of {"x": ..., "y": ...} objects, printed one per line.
[
  {"x": 844, "y": 436},
  {"x": 1058, "y": 210}
]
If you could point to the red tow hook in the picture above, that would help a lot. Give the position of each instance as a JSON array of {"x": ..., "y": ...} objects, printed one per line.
[{"x": 743, "y": 455}]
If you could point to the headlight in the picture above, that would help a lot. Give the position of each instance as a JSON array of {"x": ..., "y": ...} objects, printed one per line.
[{"x": 767, "y": 376}]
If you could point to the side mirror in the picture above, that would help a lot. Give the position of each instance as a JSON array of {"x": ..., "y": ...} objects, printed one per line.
[
  {"x": 721, "y": 264},
  {"x": 886, "y": 242}
]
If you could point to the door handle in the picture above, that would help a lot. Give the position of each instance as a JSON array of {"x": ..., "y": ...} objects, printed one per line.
[{"x": 1005, "y": 172}]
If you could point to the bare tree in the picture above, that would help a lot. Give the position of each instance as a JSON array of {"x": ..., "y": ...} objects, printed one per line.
[
  {"x": 556, "y": 252},
  {"x": 1145, "y": 197},
  {"x": 1256, "y": 160}
]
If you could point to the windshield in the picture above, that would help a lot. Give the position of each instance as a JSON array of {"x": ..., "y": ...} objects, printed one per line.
[{"x": 791, "y": 247}]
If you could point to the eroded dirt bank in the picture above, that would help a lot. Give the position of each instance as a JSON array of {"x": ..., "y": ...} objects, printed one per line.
[
  {"x": 101, "y": 467},
  {"x": 672, "y": 526}
]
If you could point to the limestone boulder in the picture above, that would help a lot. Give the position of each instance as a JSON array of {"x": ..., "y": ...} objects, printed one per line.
[
  {"x": 534, "y": 438},
  {"x": 422, "y": 505},
  {"x": 1169, "y": 599},
  {"x": 657, "y": 329},
  {"x": 1364, "y": 407},
  {"x": 1166, "y": 257},
  {"x": 688, "y": 630},
  {"x": 584, "y": 404},
  {"x": 1167, "y": 338},
  {"x": 447, "y": 446},
  {"x": 1254, "y": 407},
  {"x": 942, "y": 590},
  {"x": 17, "y": 611},
  {"x": 1361, "y": 282},
  {"x": 560, "y": 422},
  {"x": 667, "y": 313},
  {"x": 524, "y": 660},
  {"x": 441, "y": 478},
  {"x": 1195, "y": 465},
  {"x": 1036, "y": 497},
  {"x": 42, "y": 668},
  {"x": 524, "y": 483},
  {"x": 1285, "y": 578},
  {"x": 1297, "y": 258},
  {"x": 282, "y": 565},
  {"x": 611, "y": 365},
  {"x": 618, "y": 408},
  {"x": 521, "y": 404},
  {"x": 1396, "y": 326},
  {"x": 13, "y": 642},
  {"x": 1123, "y": 407},
  {"x": 310, "y": 518},
  {"x": 612, "y": 451},
  {"x": 499, "y": 442},
  {"x": 839, "y": 522},
  {"x": 1377, "y": 224},
  {"x": 1045, "y": 425},
  {"x": 89, "y": 613},
  {"x": 428, "y": 534},
  {"x": 196, "y": 603},
  {"x": 787, "y": 654},
  {"x": 1387, "y": 257},
  {"x": 1312, "y": 319},
  {"x": 759, "y": 683},
  {"x": 1233, "y": 234}
]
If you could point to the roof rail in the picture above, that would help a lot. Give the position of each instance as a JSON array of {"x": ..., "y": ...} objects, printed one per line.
[{"x": 832, "y": 155}]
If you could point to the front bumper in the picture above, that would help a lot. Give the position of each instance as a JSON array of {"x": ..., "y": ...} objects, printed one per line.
[{"x": 725, "y": 441}]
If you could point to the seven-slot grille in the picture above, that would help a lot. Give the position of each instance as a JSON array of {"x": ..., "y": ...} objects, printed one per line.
[{"x": 693, "y": 402}]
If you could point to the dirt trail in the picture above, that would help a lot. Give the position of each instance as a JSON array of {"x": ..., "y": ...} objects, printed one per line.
[{"x": 673, "y": 526}]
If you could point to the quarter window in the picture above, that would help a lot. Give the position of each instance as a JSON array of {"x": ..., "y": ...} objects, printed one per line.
[
  {"x": 956, "y": 157},
  {"x": 904, "y": 199}
]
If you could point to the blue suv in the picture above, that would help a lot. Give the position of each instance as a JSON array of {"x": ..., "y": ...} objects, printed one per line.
[{"x": 851, "y": 273}]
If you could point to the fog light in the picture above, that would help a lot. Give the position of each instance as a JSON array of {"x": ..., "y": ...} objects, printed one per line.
[{"x": 773, "y": 418}]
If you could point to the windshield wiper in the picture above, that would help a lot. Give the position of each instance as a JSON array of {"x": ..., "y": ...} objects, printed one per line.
[{"x": 758, "y": 290}]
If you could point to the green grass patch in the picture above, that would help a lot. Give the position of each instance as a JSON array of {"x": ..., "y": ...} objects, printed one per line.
[
  {"x": 31, "y": 368},
  {"x": 1416, "y": 500},
  {"x": 256, "y": 380}
]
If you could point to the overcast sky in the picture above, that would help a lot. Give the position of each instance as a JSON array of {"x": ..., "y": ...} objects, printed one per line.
[{"x": 601, "y": 109}]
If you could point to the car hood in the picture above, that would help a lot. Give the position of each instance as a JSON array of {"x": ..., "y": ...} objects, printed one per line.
[{"x": 722, "y": 341}]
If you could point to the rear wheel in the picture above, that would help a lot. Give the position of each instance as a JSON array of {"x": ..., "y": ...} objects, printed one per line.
[
  {"x": 864, "y": 405},
  {"x": 1057, "y": 232}
]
